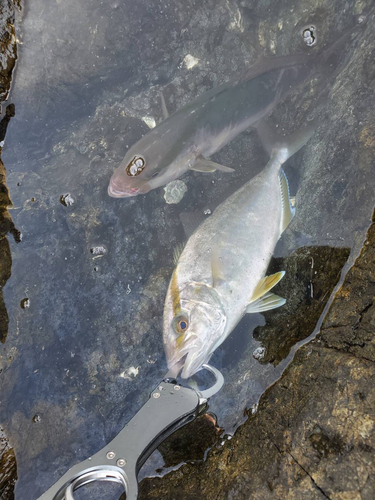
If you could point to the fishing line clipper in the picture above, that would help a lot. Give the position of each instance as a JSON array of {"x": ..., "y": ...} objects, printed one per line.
[{"x": 170, "y": 407}]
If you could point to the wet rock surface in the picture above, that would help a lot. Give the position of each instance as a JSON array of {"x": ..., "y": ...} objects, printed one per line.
[
  {"x": 313, "y": 435},
  {"x": 312, "y": 273},
  {"x": 88, "y": 350}
]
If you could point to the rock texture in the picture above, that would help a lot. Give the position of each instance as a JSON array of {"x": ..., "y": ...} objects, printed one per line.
[
  {"x": 8, "y": 469},
  {"x": 8, "y": 56},
  {"x": 6, "y": 227},
  {"x": 313, "y": 436},
  {"x": 311, "y": 273},
  {"x": 8, "y": 45}
]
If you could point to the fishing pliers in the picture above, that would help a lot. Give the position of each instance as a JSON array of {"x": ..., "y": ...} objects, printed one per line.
[{"x": 170, "y": 407}]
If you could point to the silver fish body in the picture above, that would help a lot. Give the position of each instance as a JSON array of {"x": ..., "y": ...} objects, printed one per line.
[
  {"x": 220, "y": 274},
  {"x": 186, "y": 138},
  {"x": 243, "y": 232}
]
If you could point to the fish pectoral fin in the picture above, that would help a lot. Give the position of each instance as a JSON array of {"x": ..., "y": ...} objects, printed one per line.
[
  {"x": 206, "y": 165},
  {"x": 265, "y": 303},
  {"x": 216, "y": 269},
  {"x": 288, "y": 211},
  {"x": 177, "y": 251},
  {"x": 164, "y": 108},
  {"x": 265, "y": 285}
]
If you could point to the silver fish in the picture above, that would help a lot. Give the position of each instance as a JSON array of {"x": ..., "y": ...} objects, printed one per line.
[
  {"x": 187, "y": 138},
  {"x": 220, "y": 275}
]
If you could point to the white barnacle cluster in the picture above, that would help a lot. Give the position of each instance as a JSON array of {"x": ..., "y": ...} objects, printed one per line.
[
  {"x": 134, "y": 169},
  {"x": 136, "y": 166}
]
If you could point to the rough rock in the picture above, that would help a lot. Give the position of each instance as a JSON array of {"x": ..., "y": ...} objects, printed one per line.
[
  {"x": 311, "y": 274},
  {"x": 313, "y": 435},
  {"x": 8, "y": 45},
  {"x": 8, "y": 469},
  {"x": 8, "y": 56}
]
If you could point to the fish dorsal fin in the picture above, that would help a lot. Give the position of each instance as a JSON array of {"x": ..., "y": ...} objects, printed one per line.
[
  {"x": 177, "y": 251},
  {"x": 216, "y": 269},
  {"x": 164, "y": 108},
  {"x": 265, "y": 303},
  {"x": 191, "y": 221},
  {"x": 288, "y": 211},
  {"x": 265, "y": 285},
  {"x": 206, "y": 165}
]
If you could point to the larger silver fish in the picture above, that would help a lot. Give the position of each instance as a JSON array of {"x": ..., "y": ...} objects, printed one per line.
[
  {"x": 220, "y": 275},
  {"x": 185, "y": 139}
]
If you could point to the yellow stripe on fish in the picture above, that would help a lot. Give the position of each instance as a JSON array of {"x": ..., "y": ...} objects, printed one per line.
[{"x": 175, "y": 294}]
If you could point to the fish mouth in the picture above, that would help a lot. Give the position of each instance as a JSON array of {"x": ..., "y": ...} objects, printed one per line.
[
  {"x": 193, "y": 363},
  {"x": 185, "y": 357},
  {"x": 115, "y": 192}
]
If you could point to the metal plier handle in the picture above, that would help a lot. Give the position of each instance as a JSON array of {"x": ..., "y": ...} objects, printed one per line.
[{"x": 169, "y": 407}]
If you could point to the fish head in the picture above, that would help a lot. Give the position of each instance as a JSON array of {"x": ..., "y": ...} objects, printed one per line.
[
  {"x": 193, "y": 323},
  {"x": 132, "y": 176},
  {"x": 145, "y": 166}
]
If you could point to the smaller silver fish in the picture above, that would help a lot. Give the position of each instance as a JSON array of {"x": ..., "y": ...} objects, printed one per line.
[
  {"x": 188, "y": 137},
  {"x": 220, "y": 275}
]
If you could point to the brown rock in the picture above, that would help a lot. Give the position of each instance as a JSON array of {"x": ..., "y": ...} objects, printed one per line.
[
  {"x": 311, "y": 274},
  {"x": 8, "y": 469},
  {"x": 8, "y": 49},
  {"x": 8, "y": 46}
]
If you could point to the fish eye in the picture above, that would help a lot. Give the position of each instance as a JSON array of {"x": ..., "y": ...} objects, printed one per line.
[
  {"x": 181, "y": 324},
  {"x": 136, "y": 166},
  {"x": 155, "y": 174}
]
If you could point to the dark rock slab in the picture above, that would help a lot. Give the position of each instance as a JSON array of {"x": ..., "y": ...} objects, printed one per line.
[{"x": 311, "y": 274}]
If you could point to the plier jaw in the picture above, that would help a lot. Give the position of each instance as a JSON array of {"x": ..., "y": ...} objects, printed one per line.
[{"x": 169, "y": 407}]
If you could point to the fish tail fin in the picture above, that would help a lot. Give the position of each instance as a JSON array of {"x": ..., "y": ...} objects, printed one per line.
[
  {"x": 280, "y": 148},
  {"x": 284, "y": 146},
  {"x": 333, "y": 58}
]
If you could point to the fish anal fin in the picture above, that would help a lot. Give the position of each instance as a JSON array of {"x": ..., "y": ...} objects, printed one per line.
[
  {"x": 288, "y": 210},
  {"x": 164, "y": 108},
  {"x": 206, "y": 165},
  {"x": 265, "y": 285},
  {"x": 265, "y": 303},
  {"x": 177, "y": 251}
]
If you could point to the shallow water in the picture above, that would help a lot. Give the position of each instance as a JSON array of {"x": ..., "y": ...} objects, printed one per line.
[{"x": 81, "y": 359}]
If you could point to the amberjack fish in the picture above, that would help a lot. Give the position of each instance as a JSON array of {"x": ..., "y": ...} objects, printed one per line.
[{"x": 220, "y": 274}]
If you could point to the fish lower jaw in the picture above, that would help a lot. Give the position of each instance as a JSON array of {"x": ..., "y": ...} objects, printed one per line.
[{"x": 183, "y": 352}]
